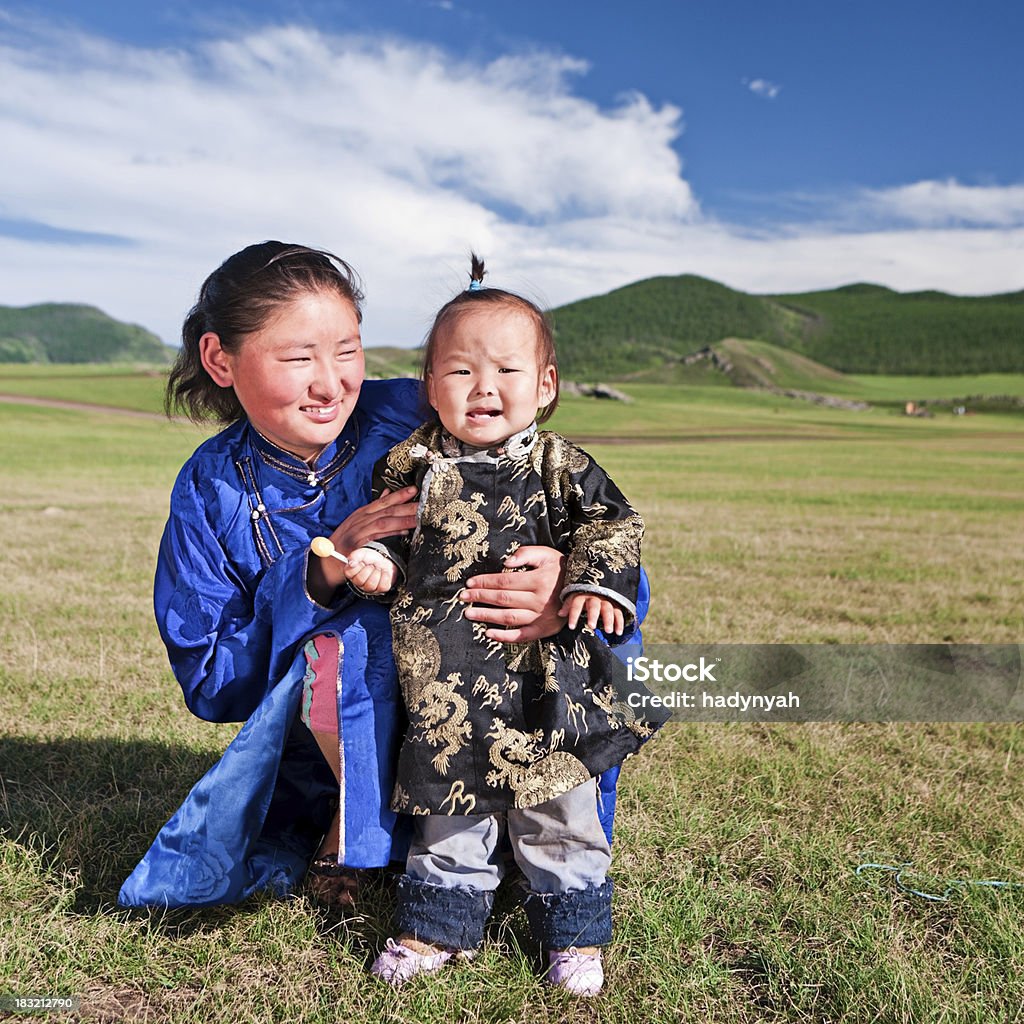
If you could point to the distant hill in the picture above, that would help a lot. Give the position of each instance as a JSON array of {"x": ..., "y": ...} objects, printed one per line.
[
  {"x": 57, "y": 332},
  {"x": 650, "y": 325},
  {"x": 748, "y": 364},
  {"x": 866, "y": 328},
  {"x": 390, "y": 361}
]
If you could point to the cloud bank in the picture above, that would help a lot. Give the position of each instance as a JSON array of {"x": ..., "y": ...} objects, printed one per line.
[{"x": 129, "y": 173}]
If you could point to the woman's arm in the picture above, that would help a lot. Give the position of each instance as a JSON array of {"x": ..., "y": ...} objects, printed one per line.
[
  {"x": 518, "y": 608},
  {"x": 229, "y": 638}
]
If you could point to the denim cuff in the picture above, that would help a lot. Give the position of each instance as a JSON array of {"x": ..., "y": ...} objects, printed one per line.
[
  {"x": 580, "y": 917},
  {"x": 453, "y": 917}
]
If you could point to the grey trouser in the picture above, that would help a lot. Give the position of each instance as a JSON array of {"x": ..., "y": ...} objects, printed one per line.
[{"x": 455, "y": 863}]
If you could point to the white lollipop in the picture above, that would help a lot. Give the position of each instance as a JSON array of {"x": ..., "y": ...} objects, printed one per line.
[{"x": 323, "y": 548}]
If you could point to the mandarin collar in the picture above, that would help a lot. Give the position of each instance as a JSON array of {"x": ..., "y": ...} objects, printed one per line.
[
  {"x": 328, "y": 462},
  {"x": 515, "y": 447}
]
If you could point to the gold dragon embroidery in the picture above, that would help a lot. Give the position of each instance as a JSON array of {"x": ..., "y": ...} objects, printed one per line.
[
  {"x": 612, "y": 544},
  {"x": 533, "y": 774},
  {"x": 461, "y": 802},
  {"x": 457, "y": 520},
  {"x": 432, "y": 703},
  {"x": 510, "y": 510},
  {"x": 620, "y": 713}
]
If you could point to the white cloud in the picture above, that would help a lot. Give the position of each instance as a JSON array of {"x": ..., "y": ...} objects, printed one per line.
[
  {"x": 762, "y": 87},
  {"x": 400, "y": 158},
  {"x": 925, "y": 205},
  {"x": 948, "y": 204},
  {"x": 388, "y": 150}
]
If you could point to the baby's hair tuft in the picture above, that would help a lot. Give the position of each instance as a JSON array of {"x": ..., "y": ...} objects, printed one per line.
[
  {"x": 476, "y": 296},
  {"x": 476, "y": 270}
]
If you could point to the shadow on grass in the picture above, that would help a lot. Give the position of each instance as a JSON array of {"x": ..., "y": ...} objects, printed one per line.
[{"x": 90, "y": 808}]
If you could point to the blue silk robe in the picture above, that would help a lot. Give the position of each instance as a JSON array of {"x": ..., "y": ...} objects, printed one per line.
[{"x": 232, "y": 608}]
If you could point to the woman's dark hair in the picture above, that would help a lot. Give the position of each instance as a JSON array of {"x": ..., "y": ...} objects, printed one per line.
[
  {"x": 475, "y": 297},
  {"x": 239, "y": 298}
]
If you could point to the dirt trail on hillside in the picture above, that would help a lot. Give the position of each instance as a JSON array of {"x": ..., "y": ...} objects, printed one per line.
[{"x": 63, "y": 403}]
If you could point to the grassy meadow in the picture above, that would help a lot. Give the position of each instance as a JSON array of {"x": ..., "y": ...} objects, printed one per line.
[{"x": 737, "y": 901}]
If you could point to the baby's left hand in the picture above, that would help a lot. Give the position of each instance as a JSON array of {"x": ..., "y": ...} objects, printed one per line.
[{"x": 595, "y": 610}]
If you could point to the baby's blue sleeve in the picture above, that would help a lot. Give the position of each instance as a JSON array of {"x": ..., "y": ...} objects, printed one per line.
[{"x": 643, "y": 604}]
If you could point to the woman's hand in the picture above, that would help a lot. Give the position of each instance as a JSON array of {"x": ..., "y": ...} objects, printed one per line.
[
  {"x": 524, "y": 605},
  {"x": 389, "y": 514}
]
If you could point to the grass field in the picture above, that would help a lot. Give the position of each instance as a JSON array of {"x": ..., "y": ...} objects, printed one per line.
[
  {"x": 737, "y": 901},
  {"x": 685, "y": 403}
]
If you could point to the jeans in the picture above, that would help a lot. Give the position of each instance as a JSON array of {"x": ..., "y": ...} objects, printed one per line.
[{"x": 455, "y": 863}]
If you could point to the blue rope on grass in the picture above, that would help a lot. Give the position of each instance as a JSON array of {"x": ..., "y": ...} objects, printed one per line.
[{"x": 958, "y": 885}]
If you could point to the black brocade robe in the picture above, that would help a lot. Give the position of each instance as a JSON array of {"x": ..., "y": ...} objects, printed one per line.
[{"x": 492, "y": 725}]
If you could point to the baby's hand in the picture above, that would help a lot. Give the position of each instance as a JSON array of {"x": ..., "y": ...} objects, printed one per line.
[
  {"x": 595, "y": 610},
  {"x": 370, "y": 571}
]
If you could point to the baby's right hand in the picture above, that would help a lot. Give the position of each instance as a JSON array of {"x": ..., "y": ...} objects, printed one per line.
[{"x": 370, "y": 571}]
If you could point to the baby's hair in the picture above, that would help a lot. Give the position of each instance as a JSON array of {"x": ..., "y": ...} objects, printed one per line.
[
  {"x": 240, "y": 298},
  {"x": 476, "y": 272},
  {"x": 476, "y": 296}
]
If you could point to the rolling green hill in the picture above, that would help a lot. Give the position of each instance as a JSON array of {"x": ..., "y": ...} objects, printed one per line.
[
  {"x": 871, "y": 329},
  {"x": 66, "y": 333},
  {"x": 648, "y": 327},
  {"x": 390, "y": 361}
]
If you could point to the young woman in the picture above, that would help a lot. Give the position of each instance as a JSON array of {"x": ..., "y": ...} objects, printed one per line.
[{"x": 252, "y": 625}]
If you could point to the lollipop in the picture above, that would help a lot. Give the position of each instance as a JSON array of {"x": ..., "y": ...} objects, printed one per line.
[{"x": 325, "y": 549}]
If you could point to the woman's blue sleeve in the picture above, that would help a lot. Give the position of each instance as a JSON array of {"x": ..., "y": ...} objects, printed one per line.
[
  {"x": 643, "y": 604},
  {"x": 227, "y": 639}
]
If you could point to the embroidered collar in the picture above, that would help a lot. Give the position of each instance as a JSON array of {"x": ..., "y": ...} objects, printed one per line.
[
  {"x": 515, "y": 447},
  {"x": 319, "y": 471}
]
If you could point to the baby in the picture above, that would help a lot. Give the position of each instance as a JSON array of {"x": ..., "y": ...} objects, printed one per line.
[{"x": 503, "y": 735}]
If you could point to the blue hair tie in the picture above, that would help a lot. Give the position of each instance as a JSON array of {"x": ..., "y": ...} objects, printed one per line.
[{"x": 474, "y": 286}]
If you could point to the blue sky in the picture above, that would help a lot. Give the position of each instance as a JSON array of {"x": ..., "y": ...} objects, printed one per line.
[{"x": 579, "y": 146}]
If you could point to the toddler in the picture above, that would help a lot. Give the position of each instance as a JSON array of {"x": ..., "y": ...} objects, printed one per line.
[{"x": 503, "y": 735}]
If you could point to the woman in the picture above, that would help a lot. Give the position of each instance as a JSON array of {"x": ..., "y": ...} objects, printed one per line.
[{"x": 272, "y": 348}]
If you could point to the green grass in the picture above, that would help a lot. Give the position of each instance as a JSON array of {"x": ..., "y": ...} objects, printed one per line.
[
  {"x": 680, "y": 402},
  {"x": 901, "y": 389},
  {"x": 388, "y": 361},
  {"x": 123, "y": 386},
  {"x": 692, "y": 413},
  {"x": 736, "y": 845}
]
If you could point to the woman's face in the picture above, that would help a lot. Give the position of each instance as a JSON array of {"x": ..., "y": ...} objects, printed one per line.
[{"x": 298, "y": 378}]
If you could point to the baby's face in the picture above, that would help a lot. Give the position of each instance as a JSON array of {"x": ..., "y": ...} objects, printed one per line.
[{"x": 485, "y": 382}]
